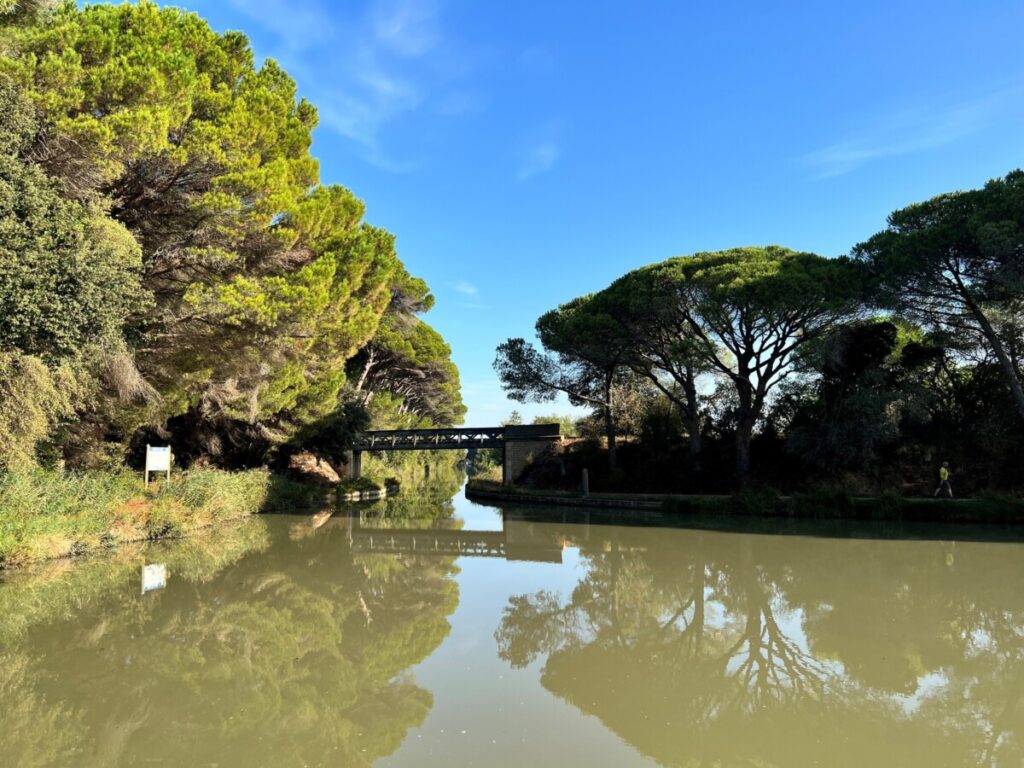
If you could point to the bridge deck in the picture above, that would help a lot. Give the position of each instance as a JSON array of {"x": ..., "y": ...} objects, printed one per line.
[{"x": 453, "y": 438}]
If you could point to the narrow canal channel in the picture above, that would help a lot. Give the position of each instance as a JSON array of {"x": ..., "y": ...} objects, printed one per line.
[{"x": 445, "y": 633}]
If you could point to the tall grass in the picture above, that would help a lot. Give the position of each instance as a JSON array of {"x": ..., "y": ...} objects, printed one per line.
[{"x": 45, "y": 515}]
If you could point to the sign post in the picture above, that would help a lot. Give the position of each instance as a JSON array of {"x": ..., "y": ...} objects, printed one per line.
[{"x": 158, "y": 459}]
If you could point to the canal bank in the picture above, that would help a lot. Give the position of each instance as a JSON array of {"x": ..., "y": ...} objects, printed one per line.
[
  {"x": 48, "y": 515},
  {"x": 768, "y": 504}
]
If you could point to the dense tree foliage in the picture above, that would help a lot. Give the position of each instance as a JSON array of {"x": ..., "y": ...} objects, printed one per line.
[
  {"x": 410, "y": 361},
  {"x": 583, "y": 359},
  {"x": 164, "y": 225},
  {"x": 746, "y": 315},
  {"x": 871, "y": 369},
  {"x": 956, "y": 263}
]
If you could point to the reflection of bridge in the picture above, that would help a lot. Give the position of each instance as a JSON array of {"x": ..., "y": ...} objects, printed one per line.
[
  {"x": 520, "y": 444},
  {"x": 511, "y": 543}
]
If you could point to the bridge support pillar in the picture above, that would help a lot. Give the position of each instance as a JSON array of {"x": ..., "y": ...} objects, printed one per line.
[
  {"x": 518, "y": 454},
  {"x": 354, "y": 464}
]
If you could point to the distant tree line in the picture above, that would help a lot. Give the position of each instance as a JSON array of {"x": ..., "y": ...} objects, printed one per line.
[
  {"x": 171, "y": 268},
  {"x": 873, "y": 366}
]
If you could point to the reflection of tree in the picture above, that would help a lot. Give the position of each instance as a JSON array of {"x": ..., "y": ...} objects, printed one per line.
[
  {"x": 723, "y": 649},
  {"x": 33, "y": 731},
  {"x": 643, "y": 603},
  {"x": 62, "y": 589},
  {"x": 424, "y": 499},
  {"x": 951, "y": 611},
  {"x": 289, "y": 658}
]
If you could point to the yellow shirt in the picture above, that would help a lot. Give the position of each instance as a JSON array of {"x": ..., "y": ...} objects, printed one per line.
[{"x": 943, "y": 473}]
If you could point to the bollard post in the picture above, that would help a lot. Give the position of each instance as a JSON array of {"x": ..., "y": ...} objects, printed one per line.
[{"x": 586, "y": 483}]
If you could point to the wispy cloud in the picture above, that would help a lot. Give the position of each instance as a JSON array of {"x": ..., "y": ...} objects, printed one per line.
[
  {"x": 406, "y": 27},
  {"x": 470, "y": 293},
  {"x": 298, "y": 24},
  {"x": 910, "y": 131},
  {"x": 466, "y": 288},
  {"x": 539, "y": 158},
  {"x": 366, "y": 70}
]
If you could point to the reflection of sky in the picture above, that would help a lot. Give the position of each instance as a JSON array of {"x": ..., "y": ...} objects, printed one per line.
[
  {"x": 929, "y": 684},
  {"x": 485, "y": 712},
  {"x": 476, "y": 516}
]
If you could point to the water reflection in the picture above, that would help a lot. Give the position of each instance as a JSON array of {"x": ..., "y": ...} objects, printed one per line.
[
  {"x": 292, "y": 641},
  {"x": 292, "y": 655},
  {"x": 704, "y": 648}
]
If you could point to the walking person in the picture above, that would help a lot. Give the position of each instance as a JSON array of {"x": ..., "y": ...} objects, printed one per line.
[{"x": 944, "y": 481}]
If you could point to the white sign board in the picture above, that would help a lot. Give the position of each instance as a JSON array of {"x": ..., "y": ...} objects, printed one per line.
[
  {"x": 154, "y": 576},
  {"x": 158, "y": 459}
]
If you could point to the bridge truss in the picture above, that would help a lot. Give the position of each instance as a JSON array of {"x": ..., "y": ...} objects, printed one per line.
[{"x": 453, "y": 438}]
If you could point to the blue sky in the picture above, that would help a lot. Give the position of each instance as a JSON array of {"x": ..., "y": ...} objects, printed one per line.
[{"x": 528, "y": 152}]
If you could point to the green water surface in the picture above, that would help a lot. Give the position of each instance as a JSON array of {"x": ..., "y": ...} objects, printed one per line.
[{"x": 437, "y": 632}]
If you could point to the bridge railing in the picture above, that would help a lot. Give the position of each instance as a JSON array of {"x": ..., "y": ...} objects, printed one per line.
[{"x": 453, "y": 437}]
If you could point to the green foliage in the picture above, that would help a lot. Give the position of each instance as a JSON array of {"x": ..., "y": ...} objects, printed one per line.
[
  {"x": 954, "y": 264},
  {"x": 568, "y": 426},
  {"x": 172, "y": 221},
  {"x": 358, "y": 484},
  {"x": 749, "y": 500},
  {"x": 405, "y": 374},
  {"x": 585, "y": 356},
  {"x": 34, "y": 399},
  {"x": 826, "y": 501},
  {"x": 514, "y": 419},
  {"x": 46, "y": 514},
  {"x": 68, "y": 277},
  {"x": 746, "y": 315},
  {"x": 411, "y": 361}
]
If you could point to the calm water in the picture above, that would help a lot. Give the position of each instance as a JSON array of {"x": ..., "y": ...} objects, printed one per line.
[{"x": 551, "y": 640}]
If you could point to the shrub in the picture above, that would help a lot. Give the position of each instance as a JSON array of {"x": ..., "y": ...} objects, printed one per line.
[
  {"x": 756, "y": 501},
  {"x": 678, "y": 506},
  {"x": 350, "y": 485},
  {"x": 825, "y": 501},
  {"x": 33, "y": 399}
]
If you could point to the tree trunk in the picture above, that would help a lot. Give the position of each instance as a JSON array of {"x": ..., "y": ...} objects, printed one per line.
[
  {"x": 696, "y": 441},
  {"x": 1009, "y": 369},
  {"x": 744, "y": 430},
  {"x": 609, "y": 431},
  {"x": 693, "y": 418},
  {"x": 609, "y": 426},
  {"x": 746, "y": 417},
  {"x": 370, "y": 360}
]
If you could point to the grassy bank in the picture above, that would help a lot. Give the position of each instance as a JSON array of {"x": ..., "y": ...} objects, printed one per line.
[
  {"x": 822, "y": 504},
  {"x": 45, "y": 515}
]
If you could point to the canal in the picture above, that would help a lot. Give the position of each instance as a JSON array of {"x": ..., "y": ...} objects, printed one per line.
[{"x": 438, "y": 632}]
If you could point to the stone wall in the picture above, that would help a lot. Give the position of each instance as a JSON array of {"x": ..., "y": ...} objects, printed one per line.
[{"x": 518, "y": 454}]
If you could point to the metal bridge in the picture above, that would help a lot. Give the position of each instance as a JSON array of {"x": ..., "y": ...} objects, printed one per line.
[
  {"x": 519, "y": 443},
  {"x": 454, "y": 438}
]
